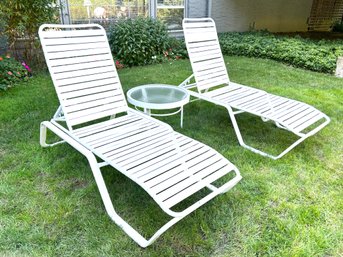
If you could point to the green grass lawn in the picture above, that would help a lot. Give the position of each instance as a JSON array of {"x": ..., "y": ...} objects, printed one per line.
[{"x": 50, "y": 205}]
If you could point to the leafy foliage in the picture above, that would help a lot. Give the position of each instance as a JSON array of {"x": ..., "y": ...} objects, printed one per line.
[
  {"x": 3, "y": 38},
  {"x": 178, "y": 48},
  {"x": 141, "y": 41},
  {"x": 11, "y": 72},
  {"x": 338, "y": 27},
  {"x": 22, "y": 19},
  {"x": 304, "y": 53}
]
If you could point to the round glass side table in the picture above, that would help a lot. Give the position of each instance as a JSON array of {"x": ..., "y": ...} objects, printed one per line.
[{"x": 159, "y": 97}]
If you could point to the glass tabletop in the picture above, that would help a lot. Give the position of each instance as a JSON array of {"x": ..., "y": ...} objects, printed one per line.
[{"x": 158, "y": 96}]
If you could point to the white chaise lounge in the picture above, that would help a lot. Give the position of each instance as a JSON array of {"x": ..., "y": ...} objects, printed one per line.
[
  {"x": 212, "y": 84},
  {"x": 169, "y": 166}
]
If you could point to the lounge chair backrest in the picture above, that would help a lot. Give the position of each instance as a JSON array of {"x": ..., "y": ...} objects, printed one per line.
[
  {"x": 204, "y": 53},
  {"x": 83, "y": 72}
]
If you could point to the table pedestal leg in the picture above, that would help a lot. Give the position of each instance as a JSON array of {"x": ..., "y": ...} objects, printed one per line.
[
  {"x": 181, "y": 121},
  {"x": 147, "y": 111}
]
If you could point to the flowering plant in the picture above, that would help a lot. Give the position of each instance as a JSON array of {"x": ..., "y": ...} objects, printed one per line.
[
  {"x": 119, "y": 65},
  {"x": 176, "y": 50},
  {"x": 167, "y": 56},
  {"x": 12, "y": 71}
]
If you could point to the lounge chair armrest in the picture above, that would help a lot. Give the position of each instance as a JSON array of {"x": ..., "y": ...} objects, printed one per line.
[{"x": 185, "y": 83}]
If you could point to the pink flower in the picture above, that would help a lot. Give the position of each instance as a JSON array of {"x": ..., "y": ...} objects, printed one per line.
[
  {"x": 1, "y": 58},
  {"x": 9, "y": 73},
  {"x": 26, "y": 66},
  {"x": 8, "y": 56},
  {"x": 119, "y": 65}
]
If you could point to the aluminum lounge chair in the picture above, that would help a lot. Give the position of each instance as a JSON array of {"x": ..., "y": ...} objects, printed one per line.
[
  {"x": 212, "y": 84},
  {"x": 169, "y": 166}
]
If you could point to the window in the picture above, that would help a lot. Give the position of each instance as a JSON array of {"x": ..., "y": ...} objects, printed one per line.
[
  {"x": 171, "y": 12},
  {"x": 105, "y": 12}
]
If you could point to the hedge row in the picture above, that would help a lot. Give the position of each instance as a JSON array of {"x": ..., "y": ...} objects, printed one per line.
[
  {"x": 304, "y": 53},
  {"x": 144, "y": 41}
]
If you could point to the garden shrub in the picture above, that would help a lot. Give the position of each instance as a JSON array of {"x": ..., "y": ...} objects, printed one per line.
[
  {"x": 12, "y": 72},
  {"x": 20, "y": 19},
  {"x": 140, "y": 41},
  {"x": 338, "y": 27},
  {"x": 3, "y": 38},
  {"x": 143, "y": 41},
  {"x": 178, "y": 49},
  {"x": 304, "y": 53}
]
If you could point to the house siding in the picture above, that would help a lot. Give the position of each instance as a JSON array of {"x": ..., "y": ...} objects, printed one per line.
[
  {"x": 197, "y": 8},
  {"x": 273, "y": 15}
]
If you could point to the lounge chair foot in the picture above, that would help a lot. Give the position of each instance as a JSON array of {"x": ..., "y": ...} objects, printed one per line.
[
  {"x": 273, "y": 156},
  {"x": 42, "y": 138}
]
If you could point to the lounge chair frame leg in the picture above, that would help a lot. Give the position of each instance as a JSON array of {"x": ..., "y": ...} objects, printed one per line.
[
  {"x": 95, "y": 167},
  {"x": 232, "y": 114},
  {"x": 213, "y": 85},
  {"x": 42, "y": 137},
  {"x": 302, "y": 136},
  {"x": 145, "y": 150}
]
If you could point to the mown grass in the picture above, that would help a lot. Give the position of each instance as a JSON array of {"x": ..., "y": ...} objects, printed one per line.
[{"x": 50, "y": 205}]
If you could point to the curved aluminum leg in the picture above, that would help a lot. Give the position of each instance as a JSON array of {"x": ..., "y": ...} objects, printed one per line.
[
  {"x": 302, "y": 137},
  {"x": 95, "y": 167},
  {"x": 42, "y": 137}
]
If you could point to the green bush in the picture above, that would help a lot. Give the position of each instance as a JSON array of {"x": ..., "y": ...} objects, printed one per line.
[
  {"x": 21, "y": 19},
  {"x": 338, "y": 27},
  {"x": 304, "y": 53},
  {"x": 178, "y": 49},
  {"x": 138, "y": 41},
  {"x": 11, "y": 72}
]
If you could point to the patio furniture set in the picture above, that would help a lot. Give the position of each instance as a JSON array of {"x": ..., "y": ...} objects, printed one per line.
[{"x": 168, "y": 165}]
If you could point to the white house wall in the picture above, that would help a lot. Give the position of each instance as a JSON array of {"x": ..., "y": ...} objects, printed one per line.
[
  {"x": 274, "y": 15},
  {"x": 197, "y": 8}
]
